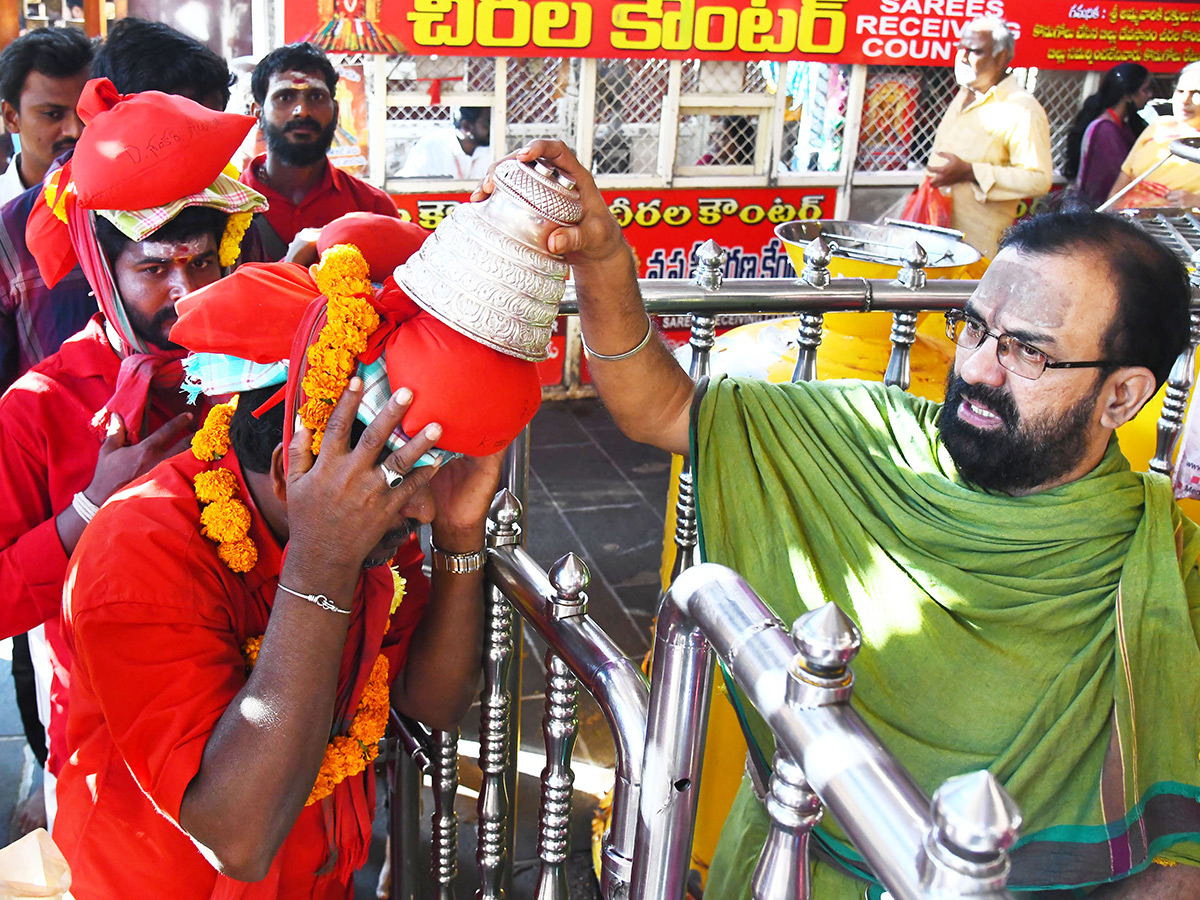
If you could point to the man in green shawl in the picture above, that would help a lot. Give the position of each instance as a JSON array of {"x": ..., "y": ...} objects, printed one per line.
[{"x": 1027, "y": 603}]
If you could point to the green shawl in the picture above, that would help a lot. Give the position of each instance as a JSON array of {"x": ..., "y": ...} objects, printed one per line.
[{"x": 1050, "y": 638}]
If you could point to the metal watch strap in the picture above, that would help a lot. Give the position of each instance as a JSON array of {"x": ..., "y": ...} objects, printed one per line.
[{"x": 458, "y": 563}]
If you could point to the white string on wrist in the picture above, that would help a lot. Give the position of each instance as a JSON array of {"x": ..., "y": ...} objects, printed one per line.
[
  {"x": 319, "y": 599},
  {"x": 619, "y": 356},
  {"x": 84, "y": 507}
]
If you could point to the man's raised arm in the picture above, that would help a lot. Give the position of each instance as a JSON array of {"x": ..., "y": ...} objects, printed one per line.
[{"x": 647, "y": 393}]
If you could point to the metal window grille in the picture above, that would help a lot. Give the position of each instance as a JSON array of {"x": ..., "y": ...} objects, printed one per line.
[
  {"x": 1061, "y": 94},
  {"x": 629, "y": 108},
  {"x": 543, "y": 100},
  {"x": 901, "y": 111},
  {"x": 708, "y": 76},
  {"x": 814, "y": 120},
  {"x": 716, "y": 140}
]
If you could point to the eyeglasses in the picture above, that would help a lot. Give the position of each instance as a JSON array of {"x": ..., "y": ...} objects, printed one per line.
[{"x": 1016, "y": 356}]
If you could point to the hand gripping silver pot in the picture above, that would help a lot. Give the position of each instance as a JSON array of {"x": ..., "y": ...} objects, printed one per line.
[{"x": 486, "y": 270}]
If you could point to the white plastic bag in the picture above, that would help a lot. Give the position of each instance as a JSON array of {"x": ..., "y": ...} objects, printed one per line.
[
  {"x": 1186, "y": 477},
  {"x": 34, "y": 867}
]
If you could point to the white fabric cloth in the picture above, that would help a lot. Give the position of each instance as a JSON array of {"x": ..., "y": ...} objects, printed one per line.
[
  {"x": 438, "y": 154},
  {"x": 10, "y": 181}
]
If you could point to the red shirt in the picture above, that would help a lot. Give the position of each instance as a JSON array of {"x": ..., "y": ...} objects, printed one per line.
[
  {"x": 50, "y": 449},
  {"x": 157, "y": 623},
  {"x": 336, "y": 195}
]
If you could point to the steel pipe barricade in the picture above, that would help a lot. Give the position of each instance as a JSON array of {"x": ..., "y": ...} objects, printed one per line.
[
  {"x": 617, "y": 684},
  {"x": 953, "y": 846}
]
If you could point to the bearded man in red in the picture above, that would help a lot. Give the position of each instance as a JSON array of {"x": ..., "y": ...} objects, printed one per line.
[{"x": 107, "y": 406}]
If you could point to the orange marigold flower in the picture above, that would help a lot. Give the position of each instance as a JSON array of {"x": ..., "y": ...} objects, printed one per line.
[
  {"x": 315, "y": 413},
  {"x": 250, "y": 651},
  {"x": 225, "y": 521},
  {"x": 219, "y": 484},
  {"x": 240, "y": 555},
  {"x": 212, "y": 440},
  {"x": 338, "y": 263}
]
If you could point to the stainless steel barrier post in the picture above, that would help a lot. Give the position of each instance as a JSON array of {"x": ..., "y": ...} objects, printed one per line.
[
  {"x": 560, "y": 727},
  {"x": 782, "y": 871},
  {"x": 709, "y": 276},
  {"x": 815, "y": 274},
  {"x": 493, "y": 855},
  {"x": 904, "y": 322},
  {"x": 680, "y": 684},
  {"x": 443, "y": 850}
]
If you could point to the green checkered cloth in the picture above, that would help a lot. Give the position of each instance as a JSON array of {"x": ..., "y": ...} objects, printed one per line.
[{"x": 226, "y": 194}]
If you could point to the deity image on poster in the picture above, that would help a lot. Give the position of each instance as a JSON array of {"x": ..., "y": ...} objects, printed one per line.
[{"x": 352, "y": 26}]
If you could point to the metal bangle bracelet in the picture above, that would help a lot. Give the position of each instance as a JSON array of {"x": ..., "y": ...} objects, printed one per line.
[
  {"x": 318, "y": 599},
  {"x": 628, "y": 353}
]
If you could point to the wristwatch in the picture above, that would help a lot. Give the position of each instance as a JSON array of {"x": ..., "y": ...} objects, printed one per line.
[{"x": 458, "y": 563}]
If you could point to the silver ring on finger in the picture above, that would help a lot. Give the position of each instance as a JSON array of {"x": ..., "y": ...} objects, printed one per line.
[{"x": 393, "y": 478}]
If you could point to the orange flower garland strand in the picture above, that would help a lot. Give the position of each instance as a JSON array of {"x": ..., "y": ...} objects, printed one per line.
[
  {"x": 223, "y": 518},
  {"x": 347, "y": 755},
  {"x": 343, "y": 277}
]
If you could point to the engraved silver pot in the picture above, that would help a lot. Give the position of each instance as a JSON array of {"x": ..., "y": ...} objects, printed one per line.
[{"x": 486, "y": 270}]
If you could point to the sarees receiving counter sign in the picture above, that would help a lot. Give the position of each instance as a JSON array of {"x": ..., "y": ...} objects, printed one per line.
[{"x": 1054, "y": 34}]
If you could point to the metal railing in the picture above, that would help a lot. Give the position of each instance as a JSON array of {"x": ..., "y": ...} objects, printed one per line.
[{"x": 953, "y": 845}]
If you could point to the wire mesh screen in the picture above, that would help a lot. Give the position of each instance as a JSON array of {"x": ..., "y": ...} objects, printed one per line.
[
  {"x": 815, "y": 116},
  {"x": 447, "y": 76},
  {"x": 901, "y": 111},
  {"x": 1061, "y": 94},
  {"x": 716, "y": 140},
  {"x": 543, "y": 100},
  {"x": 629, "y": 103},
  {"x": 721, "y": 76}
]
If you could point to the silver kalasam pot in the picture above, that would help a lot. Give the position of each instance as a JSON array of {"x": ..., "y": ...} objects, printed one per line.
[{"x": 486, "y": 270}]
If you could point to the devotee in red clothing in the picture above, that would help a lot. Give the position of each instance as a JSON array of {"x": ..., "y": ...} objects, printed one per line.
[
  {"x": 107, "y": 407},
  {"x": 151, "y": 689},
  {"x": 293, "y": 89},
  {"x": 216, "y": 764}
]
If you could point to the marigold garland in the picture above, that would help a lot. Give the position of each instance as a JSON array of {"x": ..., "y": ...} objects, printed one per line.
[
  {"x": 347, "y": 755},
  {"x": 223, "y": 518},
  {"x": 231, "y": 240},
  {"x": 344, "y": 278}
]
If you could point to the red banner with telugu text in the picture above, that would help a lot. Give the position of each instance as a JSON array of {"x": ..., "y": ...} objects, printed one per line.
[
  {"x": 1053, "y": 34},
  {"x": 665, "y": 229}
]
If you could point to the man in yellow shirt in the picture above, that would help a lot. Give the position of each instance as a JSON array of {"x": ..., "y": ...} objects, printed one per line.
[{"x": 992, "y": 148}]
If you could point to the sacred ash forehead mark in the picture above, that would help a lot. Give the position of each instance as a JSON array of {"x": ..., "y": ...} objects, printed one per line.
[{"x": 1015, "y": 291}]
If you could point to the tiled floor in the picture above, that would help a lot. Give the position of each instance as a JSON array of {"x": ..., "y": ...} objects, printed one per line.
[{"x": 592, "y": 492}]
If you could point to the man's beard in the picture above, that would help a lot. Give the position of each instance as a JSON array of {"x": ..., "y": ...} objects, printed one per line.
[
  {"x": 392, "y": 538},
  {"x": 304, "y": 154},
  {"x": 154, "y": 330},
  {"x": 1014, "y": 457}
]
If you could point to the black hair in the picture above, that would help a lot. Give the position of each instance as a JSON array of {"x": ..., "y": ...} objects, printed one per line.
[
  {"x": 1118, "y": 82},
  {"x": 466, "y": 115},
  {"x": 254, "y": 440},
  {"x": 141, "y": 56},
  {"x": 54, "y": 52},
  {"x": 1150, "y": 327},
  {"x": 301, "y": 57},
  {"x": 191, "y": 221}
]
